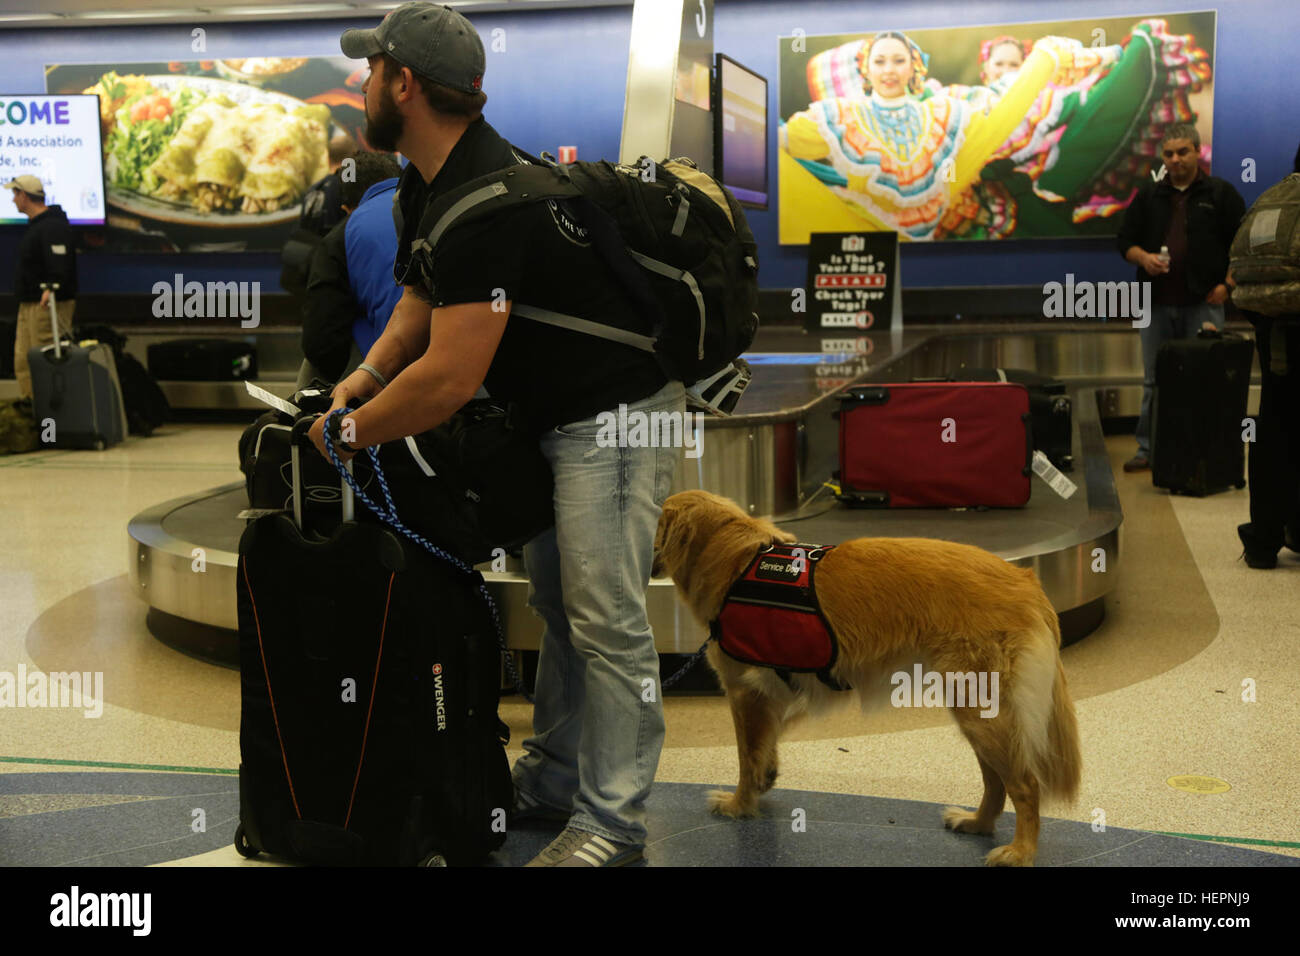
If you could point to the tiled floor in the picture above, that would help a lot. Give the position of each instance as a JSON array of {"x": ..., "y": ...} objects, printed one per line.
[{"x": 1159, "y": 688}]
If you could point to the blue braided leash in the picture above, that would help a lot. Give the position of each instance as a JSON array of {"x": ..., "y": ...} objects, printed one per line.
[
  {"x": 389, "y": 515},
  {"x": 681, "y": 672}
]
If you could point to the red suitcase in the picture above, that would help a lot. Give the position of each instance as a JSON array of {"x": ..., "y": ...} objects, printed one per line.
[{"x": 945, "y": 445}]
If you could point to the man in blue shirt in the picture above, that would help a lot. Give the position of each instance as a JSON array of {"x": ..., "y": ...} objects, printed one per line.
[
  {"x": 350, "y": 287},
  {"x": 371, "y": 244}
]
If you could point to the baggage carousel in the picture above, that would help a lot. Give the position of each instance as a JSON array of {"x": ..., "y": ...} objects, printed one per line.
[{"x": 775, "y": 458}]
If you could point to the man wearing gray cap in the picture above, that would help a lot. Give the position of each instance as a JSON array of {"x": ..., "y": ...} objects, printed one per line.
[
  {"x": 45, "y": 254},
  {"x": 598, "y": 718}
]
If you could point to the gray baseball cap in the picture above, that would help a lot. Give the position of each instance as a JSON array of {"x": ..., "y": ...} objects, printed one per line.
[{"x": 433, "y": 40}]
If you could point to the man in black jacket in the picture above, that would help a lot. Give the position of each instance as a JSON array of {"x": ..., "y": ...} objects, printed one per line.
[
  {"x": 1177, "y": 232},
  {"x": 335, "y": 303},
  {"x": 45, "y": 254}
]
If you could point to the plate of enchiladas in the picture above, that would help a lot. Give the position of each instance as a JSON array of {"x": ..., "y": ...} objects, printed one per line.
[{"x": 205, "y": 151}]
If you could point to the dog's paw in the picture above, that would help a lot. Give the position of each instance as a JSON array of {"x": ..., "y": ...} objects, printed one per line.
[
  {"x": 725, "y": 804},
  {"x": 964, "y": 821},
  {"x": 1009, "y": 855}
]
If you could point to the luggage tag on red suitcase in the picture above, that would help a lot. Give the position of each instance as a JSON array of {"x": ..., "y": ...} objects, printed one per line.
[{"x": 1044, "y": 469}]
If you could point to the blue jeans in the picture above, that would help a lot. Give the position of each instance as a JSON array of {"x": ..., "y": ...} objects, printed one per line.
[
  {"x": 1168, "y": 322},
  {"x": 596, "y": 737}
]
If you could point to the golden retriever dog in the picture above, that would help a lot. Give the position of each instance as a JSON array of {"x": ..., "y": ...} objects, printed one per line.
[{"x": 893, "y": 602}]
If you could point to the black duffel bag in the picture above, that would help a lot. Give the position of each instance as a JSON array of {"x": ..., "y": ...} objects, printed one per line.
[{"x": 475, "y": 484}]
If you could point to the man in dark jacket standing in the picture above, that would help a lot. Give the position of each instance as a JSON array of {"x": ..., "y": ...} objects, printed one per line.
[
  {"x": 45, "y": 254},
  {"x": 1177, "y": 232}
]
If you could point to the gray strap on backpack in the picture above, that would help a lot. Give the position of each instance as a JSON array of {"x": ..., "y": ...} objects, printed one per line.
[
  {"x": 683, "y": 209},
  {"x": 681, "y": 275},
  {"x": 462, "y": 206},
  {"x": 645, "y": 343},
  {"x": 508, "y": 187}
]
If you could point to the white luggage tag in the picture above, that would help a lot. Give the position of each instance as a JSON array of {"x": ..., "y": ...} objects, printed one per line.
[
  {"x": 251, "y": 514},
  {"x": 1044, "y": 469},
  {"x": 266, "y": 398}
]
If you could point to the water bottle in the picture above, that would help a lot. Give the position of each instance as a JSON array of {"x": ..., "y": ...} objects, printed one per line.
[{"x": 1164, "y": 255}]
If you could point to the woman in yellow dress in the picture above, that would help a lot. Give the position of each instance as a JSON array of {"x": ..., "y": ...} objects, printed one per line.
[{"x": 1035, "y": 152}]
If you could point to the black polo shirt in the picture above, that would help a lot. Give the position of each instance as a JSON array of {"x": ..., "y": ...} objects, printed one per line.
[{"x": 524, "y": 255}]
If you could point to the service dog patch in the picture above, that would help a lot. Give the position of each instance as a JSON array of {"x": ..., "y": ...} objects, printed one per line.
[{"x": 772, "y": 617}]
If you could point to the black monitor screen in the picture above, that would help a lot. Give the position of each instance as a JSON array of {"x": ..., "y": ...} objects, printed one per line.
[{"x": 740, "y": 159}]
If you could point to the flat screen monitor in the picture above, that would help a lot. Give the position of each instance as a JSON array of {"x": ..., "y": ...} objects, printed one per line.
[
  {"x": 740, "y": 132},
  {"x": 55, "y": 138}
]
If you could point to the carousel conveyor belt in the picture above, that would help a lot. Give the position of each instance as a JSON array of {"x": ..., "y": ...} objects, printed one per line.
[{"x": 774, "y": 459}]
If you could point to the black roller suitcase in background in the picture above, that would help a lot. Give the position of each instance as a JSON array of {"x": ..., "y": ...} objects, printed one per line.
[
  {"x": 202, "y": 360},
  {"x": 1202, "y": 385},
  {"x": 370, "y": 675},
  {"x": 77, "y": 387}
]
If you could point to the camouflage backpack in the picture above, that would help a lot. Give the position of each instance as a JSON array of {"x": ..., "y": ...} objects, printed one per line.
[
  {"x": 17, "y": 428},
  {"x": 1265, "y": 254}
]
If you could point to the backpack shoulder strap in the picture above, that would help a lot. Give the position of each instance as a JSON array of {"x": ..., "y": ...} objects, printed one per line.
[{"x": 504, "y": 189}]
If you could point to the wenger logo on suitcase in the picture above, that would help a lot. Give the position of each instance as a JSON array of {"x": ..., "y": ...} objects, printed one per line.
[{"x": 919, "y": 445}]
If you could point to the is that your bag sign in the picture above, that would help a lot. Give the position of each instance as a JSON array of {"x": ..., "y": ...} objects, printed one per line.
[{"x": 853, "y": 283}]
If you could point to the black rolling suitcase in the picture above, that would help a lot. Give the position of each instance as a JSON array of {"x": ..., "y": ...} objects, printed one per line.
[
  {"x": 1197, "y": 409},
  {"x": 370, "y": 674},
  {"x": 77, "y": 387},
  {"x": 202, "y": 360}
]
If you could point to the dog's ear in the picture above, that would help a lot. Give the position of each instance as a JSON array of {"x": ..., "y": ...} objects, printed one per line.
[
  {"x": 673, "y": 536},
  {"x": 777, "y": 534}
]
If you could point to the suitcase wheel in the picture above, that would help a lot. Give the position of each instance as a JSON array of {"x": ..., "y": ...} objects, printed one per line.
[
  {"x": 242, "y": 846},
  {"x": 99, "y": 444},
  {"x": 434, "y": 859},
  {"x": 1239, "y": 485}
]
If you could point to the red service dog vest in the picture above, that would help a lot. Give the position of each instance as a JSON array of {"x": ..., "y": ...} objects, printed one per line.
[{"x": 772, "y": 617}]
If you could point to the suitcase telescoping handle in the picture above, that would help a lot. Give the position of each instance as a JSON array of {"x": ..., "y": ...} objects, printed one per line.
[
  {"x": 52, "y": 288},
  {"x": 297, "y": 440}
]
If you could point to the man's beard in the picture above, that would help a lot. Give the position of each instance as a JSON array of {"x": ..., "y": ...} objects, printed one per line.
[{"x": 384, "y": 130}]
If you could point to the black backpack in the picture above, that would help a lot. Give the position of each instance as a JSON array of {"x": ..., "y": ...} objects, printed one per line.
[
  {"x": 322, "y": 210},
  {"x": 676, "y": 239}
]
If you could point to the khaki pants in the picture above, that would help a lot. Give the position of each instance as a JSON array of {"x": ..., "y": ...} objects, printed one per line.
[{"x": 34, "y": 330}]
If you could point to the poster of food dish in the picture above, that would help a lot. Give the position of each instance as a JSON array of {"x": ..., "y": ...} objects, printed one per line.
[
  {"x": 1009, "y": 131},
  {"x": 215, "y": 155}
]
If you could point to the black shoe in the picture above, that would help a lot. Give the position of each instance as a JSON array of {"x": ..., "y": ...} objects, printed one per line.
[
  {"x": 1137, "y": 463},
  {"x": 1257, "y": 554}
]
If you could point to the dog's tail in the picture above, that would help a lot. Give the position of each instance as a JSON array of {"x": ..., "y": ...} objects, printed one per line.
[{"x": 1047, "y": 732}]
